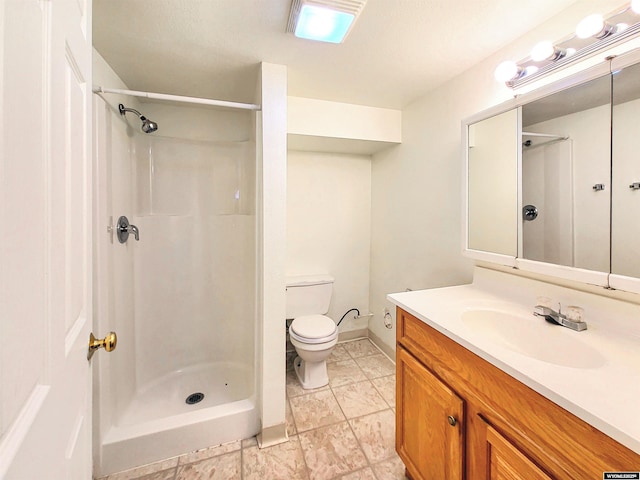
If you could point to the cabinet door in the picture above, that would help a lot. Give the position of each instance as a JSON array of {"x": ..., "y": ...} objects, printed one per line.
[
  {"x": 506, "y": 462},
  {"x": 429, "y": 422}
]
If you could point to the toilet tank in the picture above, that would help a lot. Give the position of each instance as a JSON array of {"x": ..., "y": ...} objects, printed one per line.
[{"x": 308, "y": 294}]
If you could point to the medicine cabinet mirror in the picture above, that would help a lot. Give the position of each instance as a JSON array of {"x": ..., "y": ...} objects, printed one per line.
[
  {"x": 492, "y": 178},
  {"x": 562, "y": 195},
  {"x": 566, "y": 165},
  {"x": 625, "y": 151}
]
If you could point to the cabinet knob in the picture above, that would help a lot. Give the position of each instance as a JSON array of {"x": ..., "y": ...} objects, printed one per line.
[{"x": 452, "y": 421}]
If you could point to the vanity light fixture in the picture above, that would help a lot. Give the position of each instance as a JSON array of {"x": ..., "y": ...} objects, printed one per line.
[
  {"x": 546, "y": 51},
  {"x": 323, "y": 20},
  {"x": 508, "y": 70},
  {"x": 593, "y": 34},
  {"x": 594, "y": 26}
]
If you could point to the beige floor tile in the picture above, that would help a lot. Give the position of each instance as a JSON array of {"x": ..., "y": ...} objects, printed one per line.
[
  {"x": 361, "y": 348},
  {"x": 387, "y": 388},
  {"x": 288, "y": 416},
  {"x": 222, "y": 467},
  {"x": 376, "y": 366},
  {"x": 331, "y": 451},
  {"x": 344, "y": 373},
  {"x": 376, "y": 434},
  {"x": 364, "y": 474},
  {"x": 209, "y": 452},
  {"x": 280, "y": 462},
  {"x": 359, "y": 399},
  {"x": 392, "y": 469},
  {"x": 163, "y": 475},
  {"x": 338, "y": 353},
  {"x": 315, "y": 410},
  {"x": 141, "y": 472},
  {"x": 294, "y": 389}
]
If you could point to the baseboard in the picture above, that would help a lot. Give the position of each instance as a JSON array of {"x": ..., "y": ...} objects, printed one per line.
[
  {"x": 386, "y": 349},
  {"x": 273, "y": 435},
  {"x": 352, "y": 334}
]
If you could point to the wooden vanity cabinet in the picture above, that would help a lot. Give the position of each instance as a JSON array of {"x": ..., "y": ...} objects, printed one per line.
[
  {"x": 502, "y": 429},
  {"x": 429, "y": 422}
]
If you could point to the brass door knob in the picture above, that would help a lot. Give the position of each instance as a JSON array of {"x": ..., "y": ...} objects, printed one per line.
[
  {"x": 452, "y": 421},
  {"x": 108, "y": 343}
]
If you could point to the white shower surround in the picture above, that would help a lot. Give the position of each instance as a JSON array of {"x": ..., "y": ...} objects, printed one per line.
[{"x": 183, "y": 299}]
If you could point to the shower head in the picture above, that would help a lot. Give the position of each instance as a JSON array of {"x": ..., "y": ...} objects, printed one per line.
[{"x": 148, "y": 126}]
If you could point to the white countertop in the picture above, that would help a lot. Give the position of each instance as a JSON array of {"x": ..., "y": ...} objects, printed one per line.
[{"x": 602, "y": 387}]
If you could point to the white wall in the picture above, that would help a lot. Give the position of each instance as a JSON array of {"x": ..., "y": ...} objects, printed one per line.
[
  {"x": 329, "y": 225},
  {"x": 416, "y": 187},
  {"x": 272, "y": 190}
]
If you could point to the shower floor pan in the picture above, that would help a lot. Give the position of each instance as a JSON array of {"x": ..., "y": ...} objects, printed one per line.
[
  {"x": 159, "y": 424},
  {"x": 165, "y": 397}
]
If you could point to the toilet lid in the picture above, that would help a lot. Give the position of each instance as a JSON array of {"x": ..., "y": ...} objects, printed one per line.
[{"x": 313, "y": 326}]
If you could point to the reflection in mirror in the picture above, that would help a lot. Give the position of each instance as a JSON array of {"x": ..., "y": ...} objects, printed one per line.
[
  {"x": 493, "y": 183},
  {"x": 565, "y": 176},
  {"x": 625, "y": 224}
]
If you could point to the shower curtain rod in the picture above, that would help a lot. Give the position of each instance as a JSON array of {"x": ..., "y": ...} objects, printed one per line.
[
  {"x": 547, "y": 135},
  {"x": 179, "y": 98}
]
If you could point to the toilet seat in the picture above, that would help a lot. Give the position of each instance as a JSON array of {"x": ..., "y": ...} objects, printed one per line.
[{"x": 312, "y": 329}]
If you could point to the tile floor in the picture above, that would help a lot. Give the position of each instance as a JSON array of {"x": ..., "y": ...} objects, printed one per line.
[{"x": 345, "y": 430}]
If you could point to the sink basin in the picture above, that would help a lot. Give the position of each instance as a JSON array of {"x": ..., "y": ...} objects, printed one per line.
[{"x": 533, "y": 337}]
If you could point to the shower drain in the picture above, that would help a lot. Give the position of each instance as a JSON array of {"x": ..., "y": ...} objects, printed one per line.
[{"x": 194, "y": 398}]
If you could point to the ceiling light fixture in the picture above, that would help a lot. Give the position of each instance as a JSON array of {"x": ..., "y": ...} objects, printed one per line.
[
  {"x": 323, "y": 20},
  {"x": 593, "y": 34}
]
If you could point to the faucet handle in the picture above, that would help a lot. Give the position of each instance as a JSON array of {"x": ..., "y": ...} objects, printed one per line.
[
  {"x": 543, "y": 311},
  {"x": 124, "y": 228}
]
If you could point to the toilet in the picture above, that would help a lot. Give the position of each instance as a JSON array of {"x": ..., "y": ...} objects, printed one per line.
[{"x": 312, "y": 333}]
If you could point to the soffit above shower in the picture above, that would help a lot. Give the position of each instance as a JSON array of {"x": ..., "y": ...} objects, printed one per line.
[{"x": 396, "y": 53}]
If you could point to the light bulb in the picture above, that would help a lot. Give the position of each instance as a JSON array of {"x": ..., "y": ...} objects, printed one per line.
[
  {"x": 570, "y": 51},
  {"x": 543, "y": 51},
  {"x": 507, "y": 71},
  {"x": 590, "y": 26},
  {"x": 530, "y": 70},
  {"x": 635, "y": 6},
  {"x": 621, "y": 27}
]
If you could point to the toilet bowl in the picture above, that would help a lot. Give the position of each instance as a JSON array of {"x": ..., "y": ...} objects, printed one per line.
[{"x": 313, "y": 337}]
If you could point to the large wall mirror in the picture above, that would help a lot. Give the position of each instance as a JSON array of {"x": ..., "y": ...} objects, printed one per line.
[
  {"x": 566, "y": 166},
  {"x": 625, "y": 194},
  {"x": 577, "y": 184},
  {"x": 492, "y": 184}
]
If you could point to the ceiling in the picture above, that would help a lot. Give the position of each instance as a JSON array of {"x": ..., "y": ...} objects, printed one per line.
[{"x": 397, "y": 51}]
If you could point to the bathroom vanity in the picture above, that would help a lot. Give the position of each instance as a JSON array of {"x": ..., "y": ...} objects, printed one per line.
[{"x": 487, "y": 390}]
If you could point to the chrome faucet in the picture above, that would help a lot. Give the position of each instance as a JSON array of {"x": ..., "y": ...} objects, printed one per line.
[{"x": 558, "y": 318}]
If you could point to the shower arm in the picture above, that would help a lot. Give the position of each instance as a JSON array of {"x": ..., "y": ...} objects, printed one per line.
[{"x": 124, "y": 109}]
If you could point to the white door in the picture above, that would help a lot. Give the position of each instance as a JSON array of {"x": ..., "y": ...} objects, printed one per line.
[{"x": 45, "y": 239}]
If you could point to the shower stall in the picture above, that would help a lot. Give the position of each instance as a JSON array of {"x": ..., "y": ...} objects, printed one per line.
[{"x": 182, "y": 295}]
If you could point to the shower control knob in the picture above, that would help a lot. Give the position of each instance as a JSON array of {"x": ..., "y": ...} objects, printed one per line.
[
  {"x": 124, "y": 228},
  {"x": 529, "y": 212}
]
